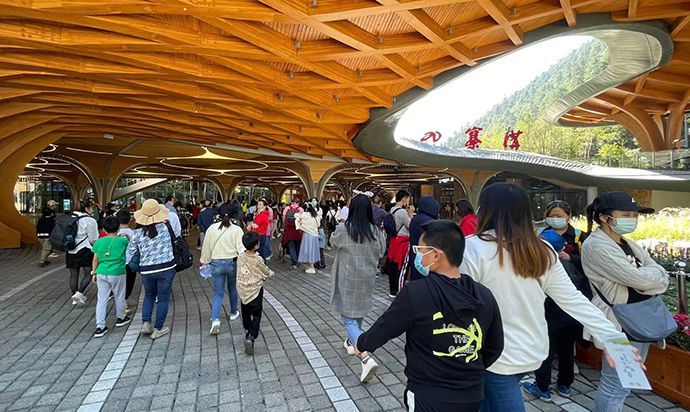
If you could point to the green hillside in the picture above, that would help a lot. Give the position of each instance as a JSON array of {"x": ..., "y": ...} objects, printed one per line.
[{"x": 523, "y": 110}]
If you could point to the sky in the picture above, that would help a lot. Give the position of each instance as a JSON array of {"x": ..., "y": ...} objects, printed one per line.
[{"x": 471, "y": 95}]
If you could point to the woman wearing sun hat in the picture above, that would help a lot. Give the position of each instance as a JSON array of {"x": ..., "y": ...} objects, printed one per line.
[{"x": 151, "y": 245}]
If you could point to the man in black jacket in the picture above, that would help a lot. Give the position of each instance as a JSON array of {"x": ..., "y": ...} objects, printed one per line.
[
  {"x": 453, "y": 326},
  {"x": 44, "y": 226}
]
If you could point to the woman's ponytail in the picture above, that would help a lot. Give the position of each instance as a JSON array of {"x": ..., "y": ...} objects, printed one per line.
[
  {"x": 225, "y": 222},
  {"x": 590, "y": 217}
]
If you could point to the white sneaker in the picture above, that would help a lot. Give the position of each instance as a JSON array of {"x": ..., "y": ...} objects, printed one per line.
[
  {"x": 215, "y": 327},
  {"x": 348, "y": 347},
  {"x": 311, "y": 271},
  {"x": 78, "y": 298},
  {"x": 234, "y": 316},
  {"x": 53, "y": 255},
  {"x": 369, "y": 368}
]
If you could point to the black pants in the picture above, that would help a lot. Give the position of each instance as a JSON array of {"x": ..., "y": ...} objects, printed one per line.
[
  {"x": 393, "y": 277},
  {"x": 74, "y": 283},
  {"x": 251, "y": 314},
  {"x": 561, "y": 345},
  {"x": 129, "y": 282}
]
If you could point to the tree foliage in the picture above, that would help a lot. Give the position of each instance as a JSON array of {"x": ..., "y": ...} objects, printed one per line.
[{"x": 523, "y": 110}]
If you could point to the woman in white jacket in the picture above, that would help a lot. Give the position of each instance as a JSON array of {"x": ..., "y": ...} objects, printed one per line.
[
  {"x": 308, "y": 222},
  {"x": 520, "y": 269},
  {"x": 622, "y": 272}
]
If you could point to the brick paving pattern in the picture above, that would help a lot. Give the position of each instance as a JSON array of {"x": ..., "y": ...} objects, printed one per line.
[{"x": 49, "y": 360}]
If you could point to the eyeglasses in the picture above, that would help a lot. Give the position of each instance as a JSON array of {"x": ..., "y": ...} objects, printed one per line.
[{"x": 417, "y": 249}]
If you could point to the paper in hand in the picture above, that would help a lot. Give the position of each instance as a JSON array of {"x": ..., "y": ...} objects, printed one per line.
[{"x": 628, "y": 369}]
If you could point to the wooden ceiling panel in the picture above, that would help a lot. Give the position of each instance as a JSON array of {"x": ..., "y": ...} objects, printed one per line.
[
  {"x": 297, "y": 32},
  {"x": 455, "y": 14},
  {"x": 289, "y": 75},
  {"x": 382, "y": 24}
]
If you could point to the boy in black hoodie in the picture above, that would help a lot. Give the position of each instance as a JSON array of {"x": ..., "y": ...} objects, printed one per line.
[{"x": 453, "y": 326}]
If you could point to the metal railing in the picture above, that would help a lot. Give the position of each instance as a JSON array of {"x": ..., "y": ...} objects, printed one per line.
[
  {"x": 681, "y": 286},
  {"x": 675, "y": 159}
]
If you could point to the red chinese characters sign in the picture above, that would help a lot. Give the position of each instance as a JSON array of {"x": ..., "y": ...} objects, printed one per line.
[
  {"x": 433, "y": 136},
  {"x": 510, "y": 140},
  {"x": 473, "y": 142}
]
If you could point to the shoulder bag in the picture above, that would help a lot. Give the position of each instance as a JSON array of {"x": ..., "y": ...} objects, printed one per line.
[
  {"x": 645, "y": 321},
  {"x": 183, "y": 256}
]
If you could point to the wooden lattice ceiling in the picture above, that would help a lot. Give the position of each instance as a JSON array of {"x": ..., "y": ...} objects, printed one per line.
[{"x": 288, "y": 75}]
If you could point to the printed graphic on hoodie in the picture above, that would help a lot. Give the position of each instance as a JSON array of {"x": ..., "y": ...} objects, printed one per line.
[{"x": 467, "y": 342}]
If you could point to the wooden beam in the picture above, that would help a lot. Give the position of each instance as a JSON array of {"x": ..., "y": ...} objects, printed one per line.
[
  {"x": 341, "y": 10},
  {"x": 632, "y": 8},
  {"x": 499, "y": 12},
  {"x": 424, "y": 24},
  {"x": 671, "y": 78},
  {"x": 568, "y": 13},
  {"x": 352, "y": 35},
  {"x": 678, "y": 25},
  {"x": 648, "y": 93},
  {"x": 654, "y": 12}
]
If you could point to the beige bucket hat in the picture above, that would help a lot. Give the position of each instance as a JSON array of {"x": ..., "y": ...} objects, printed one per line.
[{"x": 151, "y": 212}]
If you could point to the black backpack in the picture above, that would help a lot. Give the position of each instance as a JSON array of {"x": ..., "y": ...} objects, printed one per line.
[
  {"x": 64, "y": 234},
  {"x": 291, "y": 215},
  {"x": 389, "y": 224},
  {"x": 331, "y": 222},
  {"x": 183, "y": 256}
]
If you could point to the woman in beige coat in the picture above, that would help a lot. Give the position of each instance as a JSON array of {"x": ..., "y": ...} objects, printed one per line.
[{"x": 621, "y": 271}]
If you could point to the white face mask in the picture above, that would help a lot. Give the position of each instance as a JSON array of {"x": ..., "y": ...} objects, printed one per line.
[{"x": 557, "y": 222}]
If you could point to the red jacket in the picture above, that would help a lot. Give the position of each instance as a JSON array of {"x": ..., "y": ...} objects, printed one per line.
[
  {"x": 398, "y": 249},
  {"x": 468, "y": 225},
  {"x": 262, "y": 220}
]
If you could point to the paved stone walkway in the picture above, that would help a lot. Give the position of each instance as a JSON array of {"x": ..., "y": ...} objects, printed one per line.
[{"x": 49, "y": 361}]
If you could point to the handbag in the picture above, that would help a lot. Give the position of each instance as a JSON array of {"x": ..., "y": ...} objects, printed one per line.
[
  {"x": 183, "y": 256},
  {"x": 206, "y": 271},
  {"x": 645, "y": 321}
]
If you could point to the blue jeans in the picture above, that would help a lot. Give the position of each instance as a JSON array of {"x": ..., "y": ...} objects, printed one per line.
[
  {"x": 224, "y": 271},
  {"x": 265, "y": 246},
  {"x": 610, "y": 394},
  {"x": 353, "y": 328},
  {"x": 157, "y": 285},
  {"x": 293, "y": 248},
  {"x": 502, "y": 393}
]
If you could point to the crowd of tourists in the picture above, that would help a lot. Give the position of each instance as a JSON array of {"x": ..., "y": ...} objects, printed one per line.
[{"x": 484, "y": 299}]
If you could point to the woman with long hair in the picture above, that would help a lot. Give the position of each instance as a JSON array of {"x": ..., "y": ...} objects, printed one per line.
[
  {"x": 520, "y": 269},
  {"x": 621, "y": 272},
  {"x": 359, "y": 245},
  {"x": 308, "y": 222},
  {"x": 222, "y": 246},
  {"x": 468, "y": 220},
  {"x": 152, "y": 248}
]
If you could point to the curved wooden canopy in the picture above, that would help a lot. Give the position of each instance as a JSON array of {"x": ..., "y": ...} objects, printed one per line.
[{"x": 293, "y": 76}]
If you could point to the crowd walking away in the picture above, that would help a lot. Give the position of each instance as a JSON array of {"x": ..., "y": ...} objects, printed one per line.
[{"x": 487, "y": 300}]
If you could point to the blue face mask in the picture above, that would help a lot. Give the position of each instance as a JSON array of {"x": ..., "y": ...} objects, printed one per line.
[
  {"x": 314, "y": 203},
  {"x": 423, "y": 270},
  {"x": 625, "y": 225}
]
